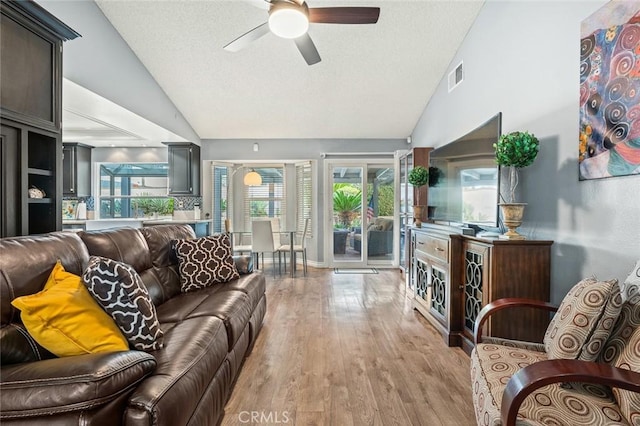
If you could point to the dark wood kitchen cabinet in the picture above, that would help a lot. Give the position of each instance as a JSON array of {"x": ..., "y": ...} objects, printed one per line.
[
  {"x": 30, "y": 118},
  {"x": 184, "y": 169},
  {"x": 76, "y": 170}
]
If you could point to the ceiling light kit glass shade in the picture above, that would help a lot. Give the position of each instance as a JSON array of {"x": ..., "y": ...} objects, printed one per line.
[
  {"x": 288, "y": 20},
  {"x": 253, "y": 178}
]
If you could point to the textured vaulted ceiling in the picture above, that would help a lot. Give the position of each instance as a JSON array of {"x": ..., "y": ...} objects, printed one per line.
[{"x": 373, "y": 82}]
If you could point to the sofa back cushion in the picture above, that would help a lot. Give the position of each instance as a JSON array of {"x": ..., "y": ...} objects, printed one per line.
[
  {"x": 25, "y": 265},
  {"x": 584, "y": 320},
  {"x": 163, "y": 258},
  {"x": 126, "y": 245}
]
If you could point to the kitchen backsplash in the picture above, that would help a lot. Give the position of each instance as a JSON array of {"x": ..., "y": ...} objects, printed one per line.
[{"x": 186, "y": 203}]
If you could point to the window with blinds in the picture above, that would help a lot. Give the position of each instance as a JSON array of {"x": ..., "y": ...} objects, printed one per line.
[
  {"x": 220, "y": 177},
  {"x": 268, "y": 199},
  {"x": 303, "y": 196}
]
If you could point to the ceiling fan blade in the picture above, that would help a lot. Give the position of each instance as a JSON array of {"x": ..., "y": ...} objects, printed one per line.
[
  {"x": 344, "y": 15},
  {"x": 308, "y": 49},
  {"x": 262, "y": 4},
  {"x": 245, "y": 39}
]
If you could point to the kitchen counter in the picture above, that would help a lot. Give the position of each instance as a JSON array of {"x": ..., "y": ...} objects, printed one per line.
[
  {"x": 200, "y": 227},
  {"x": 176, "y": 221}
]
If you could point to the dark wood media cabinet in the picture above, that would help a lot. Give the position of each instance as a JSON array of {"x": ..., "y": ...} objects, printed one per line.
[{"x": 455, "y": 275}]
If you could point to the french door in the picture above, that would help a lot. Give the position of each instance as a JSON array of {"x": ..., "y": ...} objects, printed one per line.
[{"x": 361, "y": 212}]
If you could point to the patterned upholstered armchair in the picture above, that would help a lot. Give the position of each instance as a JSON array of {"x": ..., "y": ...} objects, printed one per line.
[{"x": 587, "y": 370}]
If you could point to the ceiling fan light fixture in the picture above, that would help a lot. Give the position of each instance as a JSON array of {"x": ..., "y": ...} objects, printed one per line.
[{"x": 288, "y": 22}]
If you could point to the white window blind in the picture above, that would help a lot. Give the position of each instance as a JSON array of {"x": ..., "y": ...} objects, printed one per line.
[
  {"x": 304, "y": 190},
  {"x": 268, "y": 199}
]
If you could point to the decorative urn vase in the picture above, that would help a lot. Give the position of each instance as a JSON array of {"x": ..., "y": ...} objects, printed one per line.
[
  {"x": 417, "y": 216},
  {"x": 512, "y": 217}
]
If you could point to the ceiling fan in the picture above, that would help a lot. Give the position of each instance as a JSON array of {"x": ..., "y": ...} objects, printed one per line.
[{"x": 291, "y": 18}]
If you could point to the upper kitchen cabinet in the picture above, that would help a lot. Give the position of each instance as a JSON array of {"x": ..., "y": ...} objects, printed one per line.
[
  {"x": 30, "y": 115},
  {"x": 184, "y": 169},
  {"x": 76, "y": 170}
]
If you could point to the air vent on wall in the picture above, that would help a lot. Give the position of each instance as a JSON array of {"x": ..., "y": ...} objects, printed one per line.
[{"x": 455, "y": 77}]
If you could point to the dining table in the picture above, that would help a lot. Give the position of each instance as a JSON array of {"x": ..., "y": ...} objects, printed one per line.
[{"x": 291, "y": 235}]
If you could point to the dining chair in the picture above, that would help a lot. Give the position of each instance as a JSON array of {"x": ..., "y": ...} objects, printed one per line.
[
  {"x": 297, "y": 248},
  {"x": 238, "y": 243},
  {"x": 277, "y": 239},
  {"x": 262, "y": 241}
]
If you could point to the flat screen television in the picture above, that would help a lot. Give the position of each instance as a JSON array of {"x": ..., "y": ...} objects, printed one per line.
[{"x": 467, "y": 189}]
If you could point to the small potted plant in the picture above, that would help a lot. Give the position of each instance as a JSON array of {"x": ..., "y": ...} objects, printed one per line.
[
  {"x": 514, "y": 150},
  {"x": 434, "y": 177},
  {"x": 418, "y": 177}
]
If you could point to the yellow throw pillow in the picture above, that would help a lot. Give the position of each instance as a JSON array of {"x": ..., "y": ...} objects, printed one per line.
[{"x": 66, "y": 320}]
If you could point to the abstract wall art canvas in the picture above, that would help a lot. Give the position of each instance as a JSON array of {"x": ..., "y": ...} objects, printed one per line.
[{"x": 609, "y": 141}]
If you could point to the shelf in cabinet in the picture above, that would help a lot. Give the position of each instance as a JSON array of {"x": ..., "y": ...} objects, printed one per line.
[
  {"x": 40, "y": 200},
  {"x": 39, "y": 172}
]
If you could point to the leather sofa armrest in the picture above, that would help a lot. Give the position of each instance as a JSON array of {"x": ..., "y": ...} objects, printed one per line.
[
  {"x": 70, "y": 384},
  {"x": 544, "y": 373},
  {"x": 500, "y": 304}
]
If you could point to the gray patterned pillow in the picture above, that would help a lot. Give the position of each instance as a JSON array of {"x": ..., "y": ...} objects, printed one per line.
[
  {"x": 205, "y": 261},
  {"x": 584, "y": 320},
  {"x": 244, "y": 264},
  {"x": 118, "y": 288}
]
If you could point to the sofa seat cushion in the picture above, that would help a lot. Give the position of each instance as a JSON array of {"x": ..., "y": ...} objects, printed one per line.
[
  {"x": 76, "y": 383},
  {"x": 230, "y": 306},
  {"x": 493, "y": 365},
  {"x": 194, "y": 349}
]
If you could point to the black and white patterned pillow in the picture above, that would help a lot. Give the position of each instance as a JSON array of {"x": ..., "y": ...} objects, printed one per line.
[
  {"x": 205, "y": 261},
  {"x": 118, "y": 288}
]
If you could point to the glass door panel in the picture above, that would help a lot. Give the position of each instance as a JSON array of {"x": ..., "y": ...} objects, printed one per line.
[
  {"x": 346, "y": 182},
  {"x": 379, "y": 213}
]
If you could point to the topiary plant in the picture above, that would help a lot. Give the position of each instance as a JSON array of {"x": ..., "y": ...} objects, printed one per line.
[
  {"x": 516, "y": 150},
  {"x": 418, "y": 176}
]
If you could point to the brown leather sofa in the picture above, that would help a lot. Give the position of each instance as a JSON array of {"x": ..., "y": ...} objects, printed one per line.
[{"x": 207, "y": 335}]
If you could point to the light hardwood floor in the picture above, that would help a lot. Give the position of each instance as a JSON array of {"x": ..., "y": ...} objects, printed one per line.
[{"x": 349, "y": 350}]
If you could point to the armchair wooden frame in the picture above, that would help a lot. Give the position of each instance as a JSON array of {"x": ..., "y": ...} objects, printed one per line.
[{"x": 544, "y": 373}]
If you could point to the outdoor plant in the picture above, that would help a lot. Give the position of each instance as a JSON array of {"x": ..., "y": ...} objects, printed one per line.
[
  {"x": 346, "y": 205},
  {"x": 516, "y": 150},
  {"x": 419, "y": 176},
  {"x": 162, "y": 206}
]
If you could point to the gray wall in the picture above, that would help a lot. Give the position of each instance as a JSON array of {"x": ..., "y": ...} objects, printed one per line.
[
  {"x": 522, "y": 58},
  {"x": 279, "y": 150},
  {"x": 102, "y": 62}
]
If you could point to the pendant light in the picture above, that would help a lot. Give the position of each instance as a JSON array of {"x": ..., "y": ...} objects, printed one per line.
[{"x": 253, "y": 178}]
